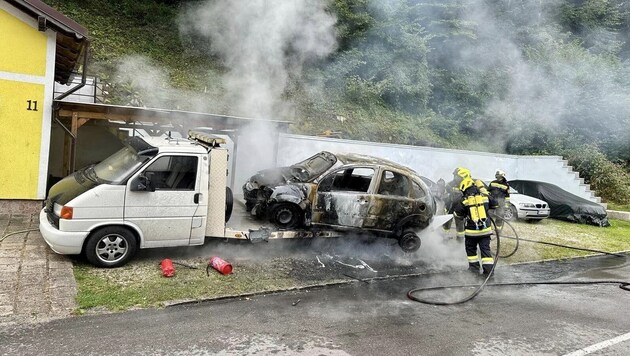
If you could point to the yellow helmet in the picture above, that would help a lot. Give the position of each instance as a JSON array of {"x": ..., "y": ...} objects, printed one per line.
[
  {"x": 466, "y": 183},
  {"x": 462, "y": 172}
]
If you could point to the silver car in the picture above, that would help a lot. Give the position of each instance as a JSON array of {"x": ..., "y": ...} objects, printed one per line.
[{"x": 525, "y": 207}]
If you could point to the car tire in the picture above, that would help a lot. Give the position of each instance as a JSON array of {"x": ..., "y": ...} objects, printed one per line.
[
  {"x": 285, "y": 215},
  {"x": 110, "y": 247},
  {"x": 510, "y": 214},
  {"x": 409, "y": 241},
  {"x": 229, "y": 203}
]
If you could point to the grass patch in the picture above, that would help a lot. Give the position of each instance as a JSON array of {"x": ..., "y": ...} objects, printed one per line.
[
  {"x": 609, "y": 239},
  {"x": 618, "y": 207},
  {"x": 140, "y": 283}
]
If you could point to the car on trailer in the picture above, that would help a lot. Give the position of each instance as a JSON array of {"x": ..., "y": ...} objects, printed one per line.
[{"x": 344, "y": 192}]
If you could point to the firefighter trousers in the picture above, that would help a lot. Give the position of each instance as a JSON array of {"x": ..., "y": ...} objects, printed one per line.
[
  {"x": 487, "y": 261},
  {"x": 499, "y": 212},
  {"x": 459, "y": 227}
]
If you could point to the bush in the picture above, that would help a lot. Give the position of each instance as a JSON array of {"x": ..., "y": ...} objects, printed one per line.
[{"x": 610, "y": 180}]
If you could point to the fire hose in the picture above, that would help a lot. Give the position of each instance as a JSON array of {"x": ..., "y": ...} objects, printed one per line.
[
  {"x": 15, "y": 233},
  {"x": 625, "y": 285}
]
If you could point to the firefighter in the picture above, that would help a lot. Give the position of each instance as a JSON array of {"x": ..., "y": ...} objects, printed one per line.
[
  {"x": 455, "y": 194},
  {"x": 452, "y": 197},
  {"x": 500, "y": 193},
  {"x": 472, "y": 208}
]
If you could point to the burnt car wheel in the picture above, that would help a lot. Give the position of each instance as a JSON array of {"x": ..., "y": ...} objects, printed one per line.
[
  {"x": 510, "y": 214},
  {"x": 110, "y": 247},
  {"x": 409, "y": 241},
  {"x": 286, "y": 215}
]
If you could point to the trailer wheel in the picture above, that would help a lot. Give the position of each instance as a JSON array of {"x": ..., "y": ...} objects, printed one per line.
[
  {"x": 229, "y": 203},
  {"x": 409, "y": 241},
  {"x": 285, "y": 215},
  {"x": 110, "y": 247}
]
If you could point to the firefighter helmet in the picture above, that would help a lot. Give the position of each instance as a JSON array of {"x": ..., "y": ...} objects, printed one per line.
[
  {"x": 462, "y": 172},
  {"x": 499, "y": 174}
]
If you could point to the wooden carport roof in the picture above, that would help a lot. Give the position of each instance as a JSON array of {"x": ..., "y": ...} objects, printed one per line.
[
  {"x": 153, "y": 117},
  {"x": 72, "y": 115}
]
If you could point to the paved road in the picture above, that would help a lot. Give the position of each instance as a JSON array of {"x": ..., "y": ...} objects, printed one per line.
[{"x": 365, "y": 319}]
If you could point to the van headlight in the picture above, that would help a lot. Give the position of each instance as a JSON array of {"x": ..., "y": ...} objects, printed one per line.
[
  {"x": 63, "y": 212},
  {"x": 57, "y": 209},
  {"x": 527, "y": 205}
]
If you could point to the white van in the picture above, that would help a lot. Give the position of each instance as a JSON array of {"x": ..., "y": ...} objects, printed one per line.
[{"x": 154, "y": 192}]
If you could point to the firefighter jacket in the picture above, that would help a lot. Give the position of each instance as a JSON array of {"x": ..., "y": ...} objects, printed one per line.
[
  {"x": 482, "y": 189},
  {"x": 452, "y": 196},
  {"x": 499, "y": 189},
  {"x": 474, "y": 207}
]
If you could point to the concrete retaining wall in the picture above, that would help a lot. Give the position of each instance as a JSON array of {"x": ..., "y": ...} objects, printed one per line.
[
  {"x": 620, "y": 215},
  {"x": 435, "y": 163}
]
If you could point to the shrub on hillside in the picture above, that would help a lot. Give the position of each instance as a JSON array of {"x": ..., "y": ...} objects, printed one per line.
[{"x": 610, "y": 180}]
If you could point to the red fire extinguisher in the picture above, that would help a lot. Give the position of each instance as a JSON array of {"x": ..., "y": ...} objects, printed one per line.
[
  {"x": 167, "y": 267},
  {"x": 220, "y": 265}
]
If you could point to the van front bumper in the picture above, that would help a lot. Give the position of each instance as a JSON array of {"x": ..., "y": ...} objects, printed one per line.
[{"x": 62, "y": 242}]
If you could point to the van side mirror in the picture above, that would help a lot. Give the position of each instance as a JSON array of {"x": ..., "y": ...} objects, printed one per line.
[{"x": 141, "y": 183}]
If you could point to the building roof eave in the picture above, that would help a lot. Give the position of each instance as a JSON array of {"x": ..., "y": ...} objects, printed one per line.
[{"x": 72, "y": 38}]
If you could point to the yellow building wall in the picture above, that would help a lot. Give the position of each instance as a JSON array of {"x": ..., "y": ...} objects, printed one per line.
[
  {"x": 20, "y": 133},
  {"x": 22, "y": 47},
  {"x": 26, "y": 79}
]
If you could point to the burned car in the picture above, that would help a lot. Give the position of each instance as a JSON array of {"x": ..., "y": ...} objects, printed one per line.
[{"x": 344, "y": 192}]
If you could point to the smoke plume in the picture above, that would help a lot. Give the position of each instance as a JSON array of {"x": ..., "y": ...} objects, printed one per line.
[{"x": 263, "y": 44}]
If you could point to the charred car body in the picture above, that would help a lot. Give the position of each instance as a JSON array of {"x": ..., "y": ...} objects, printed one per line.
[{"x": 344, "y": 192}]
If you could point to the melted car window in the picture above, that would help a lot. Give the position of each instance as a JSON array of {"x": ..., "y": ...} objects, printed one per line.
[
  {"x": 418, "y": 192},
  {"x": 313, "y": 167},
  {"x": 393, "y": 183},
  {"x": 348, "y": 180}
]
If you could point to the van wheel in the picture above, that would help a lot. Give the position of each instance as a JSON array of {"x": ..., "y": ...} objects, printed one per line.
[
  {"x": 110, "y": 247},
  {"x": 286, "y": 215},
  {"x": 409, "y": 241}
]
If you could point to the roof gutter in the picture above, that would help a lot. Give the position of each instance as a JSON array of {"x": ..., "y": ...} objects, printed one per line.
[
  {"x": 83, "y": 74},
  {"x": 57, "y": 19}
]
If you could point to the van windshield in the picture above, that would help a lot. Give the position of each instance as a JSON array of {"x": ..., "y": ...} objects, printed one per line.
[{"x": 117, "y": 167}]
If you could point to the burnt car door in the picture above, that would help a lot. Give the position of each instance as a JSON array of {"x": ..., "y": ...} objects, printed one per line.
[
  {"x": 343, "y": 197},
  {"x": 392, "y": 202}
]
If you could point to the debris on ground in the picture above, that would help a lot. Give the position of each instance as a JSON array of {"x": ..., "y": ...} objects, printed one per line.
[
  {"x": 185, "y": 265},
  {"x": 320, "y": 262}
]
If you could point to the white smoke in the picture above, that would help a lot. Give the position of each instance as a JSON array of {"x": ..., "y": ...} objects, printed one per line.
[{"x": 263, "y": 44}]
